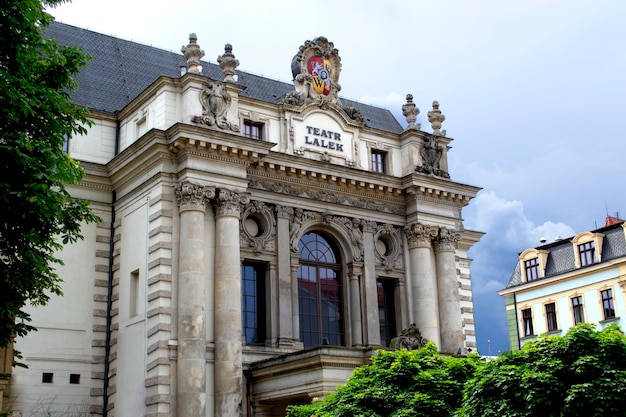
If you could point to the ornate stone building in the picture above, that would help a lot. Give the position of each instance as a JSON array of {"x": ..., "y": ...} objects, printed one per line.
[{"x": 259, "y": 240}]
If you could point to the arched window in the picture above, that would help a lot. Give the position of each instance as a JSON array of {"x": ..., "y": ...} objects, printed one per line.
[{"x": 319, "y": 292}]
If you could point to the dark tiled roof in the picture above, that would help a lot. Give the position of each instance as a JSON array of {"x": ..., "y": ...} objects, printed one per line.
[
  {"x": 561, "y": 254},
  {"x": 120, "y": 70}
]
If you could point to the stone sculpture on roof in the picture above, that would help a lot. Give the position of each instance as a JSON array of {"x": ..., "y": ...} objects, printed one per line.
[{"x": 316, "y": 68}]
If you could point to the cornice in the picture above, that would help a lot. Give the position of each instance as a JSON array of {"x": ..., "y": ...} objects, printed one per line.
[{"x": 425, "y": 186}]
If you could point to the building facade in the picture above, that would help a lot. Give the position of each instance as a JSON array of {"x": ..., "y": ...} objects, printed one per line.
[
  {"x": 558, "y": 285},
  {"x": 259, "y": 240}
]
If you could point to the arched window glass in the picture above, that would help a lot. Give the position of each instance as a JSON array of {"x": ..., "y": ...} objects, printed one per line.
[{"x": 319, "y": 292}]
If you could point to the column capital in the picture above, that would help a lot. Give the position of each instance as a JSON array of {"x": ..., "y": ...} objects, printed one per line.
[
  {"x": 192, "y": 196},
  {"x": 447, "y": 239},
  {"x": 420, "y": 235},
  {"x": 284, "y": 212},
  {"x": 229, "y": 202},
  {"x": 369, "y": 226}
]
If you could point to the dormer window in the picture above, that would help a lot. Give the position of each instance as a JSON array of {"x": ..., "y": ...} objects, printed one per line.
[
  {"x": 533, "y": 264},
  {"x": 587, "y": 253},
  {"x": 532, "y": 269},
  {"x": 587, "y": 248}
]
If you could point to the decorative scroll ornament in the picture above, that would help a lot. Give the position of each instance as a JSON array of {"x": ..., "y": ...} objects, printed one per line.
[
  {"x": 420, "y": 235},
  {"x": 448, "y": 239},
  {"x": 193, "y": 54},
  {"x": 410, "y": 111},
  {"x": 258, "y": 226},
  {"x": 431, "y": 153},
  {"x": 215, "y": 102},
  {"x": 388, "y": 247},
  {"x": 192, "y": 196},
  {"x": 409, "y": 339}
]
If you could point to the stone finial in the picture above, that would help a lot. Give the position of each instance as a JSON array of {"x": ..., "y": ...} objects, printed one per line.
[
  {"x": 192, "y": 53},
  {"x": 410, "y": 111},
  {"x": 228, "y": 63},
  {"x": 436, "y": 118}
]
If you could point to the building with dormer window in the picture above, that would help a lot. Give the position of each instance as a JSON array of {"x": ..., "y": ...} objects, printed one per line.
[
  {"x": 259, "y": 239},
  {"x": 560, "y": 284}
]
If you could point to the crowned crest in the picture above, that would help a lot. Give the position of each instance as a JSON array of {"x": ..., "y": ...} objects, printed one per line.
[{"x": 315, "y": 69}]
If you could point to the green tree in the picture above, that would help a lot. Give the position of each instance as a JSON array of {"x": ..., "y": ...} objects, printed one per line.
[
  {"x": 37, "y": 116},
  {"x": 399, "y": 383},
  {"x": 580, "y": 374}
]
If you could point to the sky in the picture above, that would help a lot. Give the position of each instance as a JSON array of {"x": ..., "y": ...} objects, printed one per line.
[{"x": 533, "y": 92}]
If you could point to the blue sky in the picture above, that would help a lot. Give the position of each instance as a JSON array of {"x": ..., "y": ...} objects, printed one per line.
[{"x": 533, "y": 91}]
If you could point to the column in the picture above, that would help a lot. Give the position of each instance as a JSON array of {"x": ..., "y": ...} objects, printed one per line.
[
  {"x": 423, "y": 281},
  {"x": 355, "y": 305},
  {"x": 228, "y": 327},
  {"x": 295, "y": 303},
  {"x": 448, "y": 289},
  {"x": 191, "y": 367},
  {"x": 285, "y": 304},
  {"x": 370, "y": 290}
]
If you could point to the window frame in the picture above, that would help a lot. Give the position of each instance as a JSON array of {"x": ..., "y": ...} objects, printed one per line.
[
  {"x": 529, "y": 255},
  {"x": 587, "y": 253},
  {"x": 585, "y": 237},
  {"x": 608, "y": 304},
  {"x": 315, "y": 325},
  {"x": 250, "y": 128},
  {"x": 378, "y": 161},
  {"x": 532, "y": 269},
  {"x": 259, "y": 312},
  {"x": 386, "y": 309},
  {"x": 578, "y": 308},
  {"x": 528, "y": 329},
  {"x": 552, "y": 324}
]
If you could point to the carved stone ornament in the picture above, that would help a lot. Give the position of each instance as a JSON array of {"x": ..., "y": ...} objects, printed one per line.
[
  {"x": 315, "y": 68},
  {"x": 420, "y": 235},
  {"x": 410, "y": 111},
  {"x": 431, "y": 153},
  {"x": 409, "y": 339},
  {"x": 193, "y": 54},
  {"x": 448, "y": 239},
  {"x": 258, "y": 226},
  {"x": 192, "y": 196},
  {"x": 228, "y": 63},
  {"x": 436, "y": 118},
  {"x": 216, "y": 103},
  {"x": 299, "y": 217},
  {"x": 388, "y": 247},
  {"x": 229, "y": 202},
  {"x": 356, "y": 236},
  {"x": 327, "y": 196}
]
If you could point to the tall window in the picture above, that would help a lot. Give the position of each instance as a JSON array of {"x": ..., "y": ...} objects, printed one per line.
[
  {"x": 577, "y": 308},
  {"x": 386, "y": 311},
  {"x": 527, "y": 318},
  {"x": 253, "y": 130},
  {"x": 532, "y": 269},
  {"x": 607, "y": 304},
  {"x": 319, "y": 292},
  {"x": 253, "y": 302},
  {"x": 587, "y": 253},
  {"x": 379, "y": 161},
  {"x": 551, "y": 317}
]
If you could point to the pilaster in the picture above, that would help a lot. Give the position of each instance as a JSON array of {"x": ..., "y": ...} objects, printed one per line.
[{"x": 370, "y": 289}]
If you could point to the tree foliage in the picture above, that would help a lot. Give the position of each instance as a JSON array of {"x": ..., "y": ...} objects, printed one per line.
[
  {"x": 399, "y": 383},
  {"x": 37, "y": 116},
  {"x": 580, "y": 374}
]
